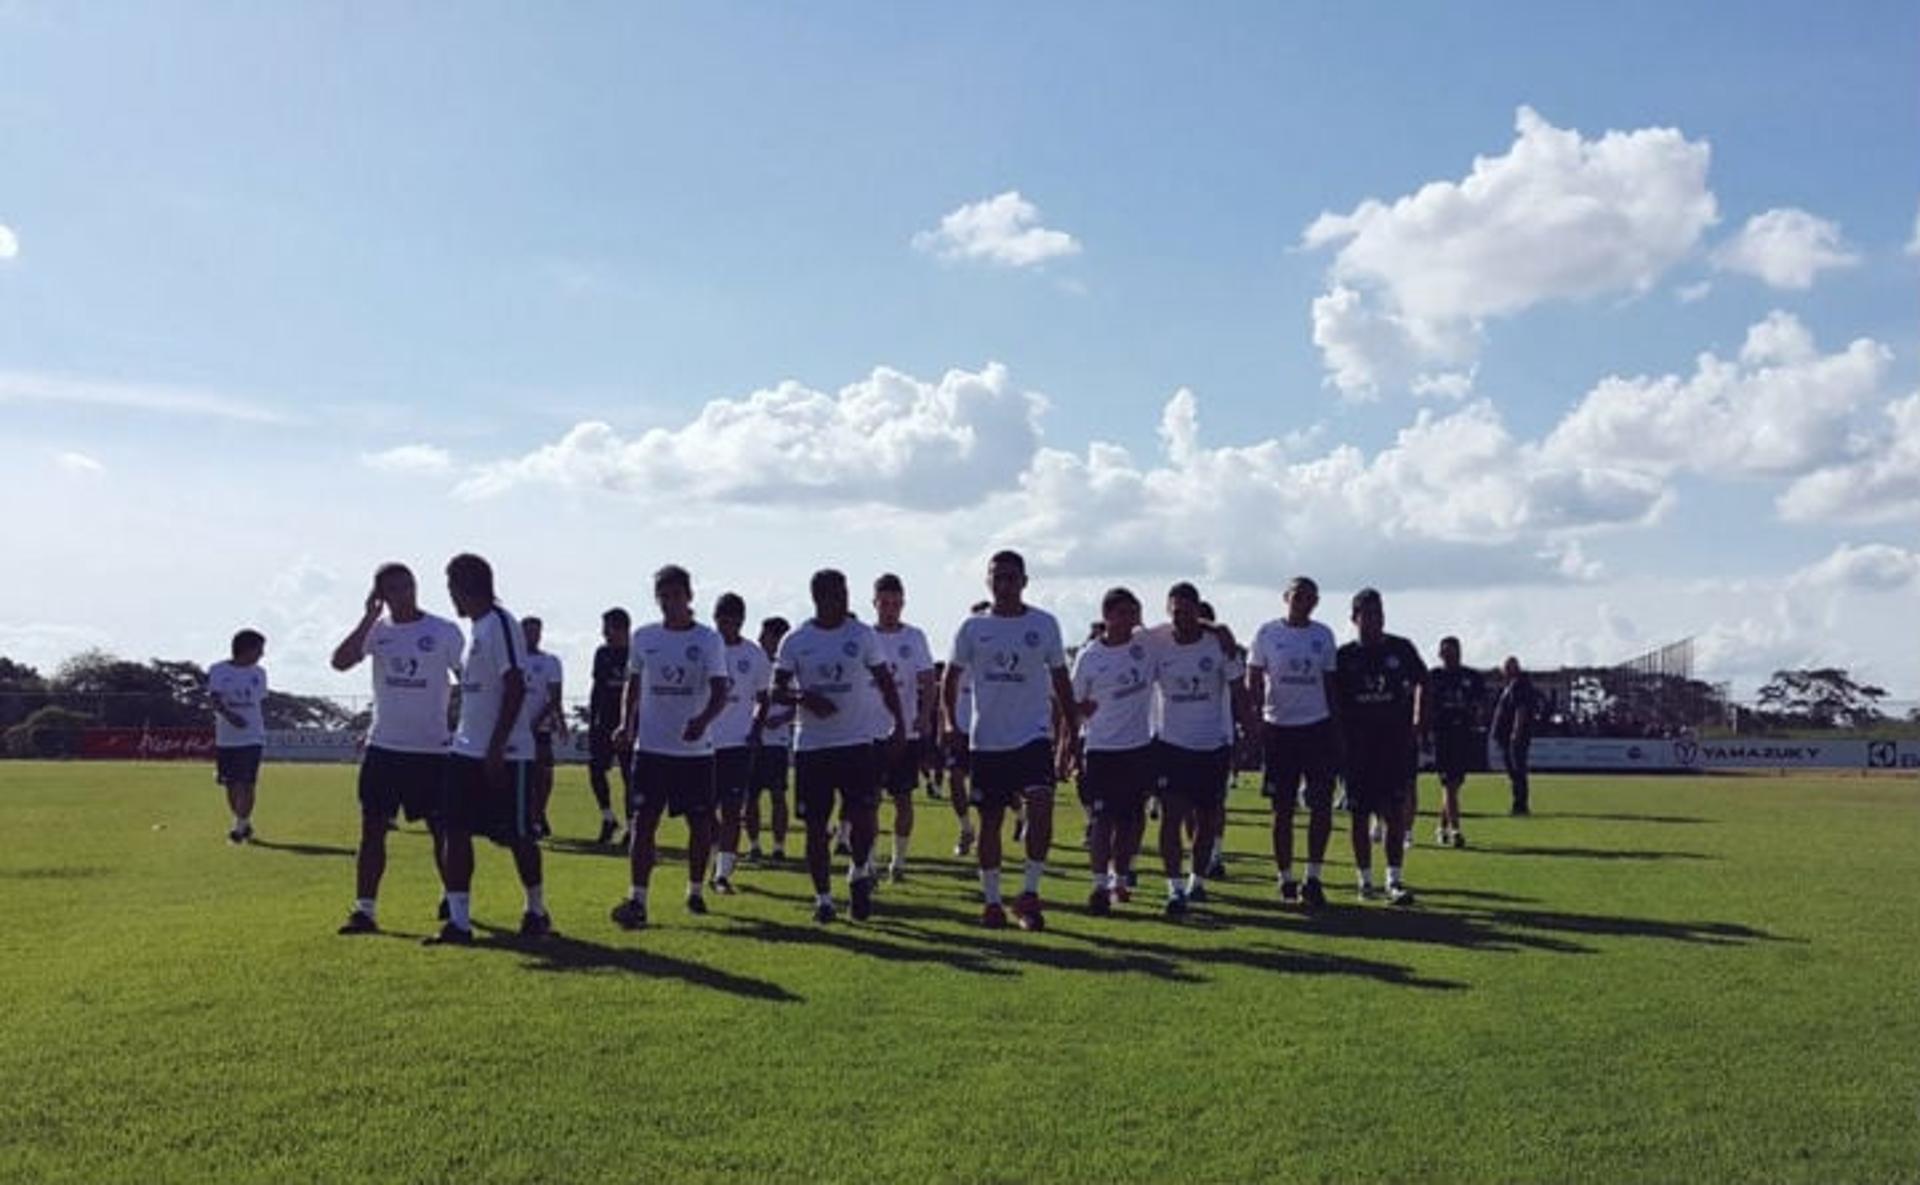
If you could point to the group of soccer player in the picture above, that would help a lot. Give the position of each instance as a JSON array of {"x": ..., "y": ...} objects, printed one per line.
[{"x": 702, "y": 724}]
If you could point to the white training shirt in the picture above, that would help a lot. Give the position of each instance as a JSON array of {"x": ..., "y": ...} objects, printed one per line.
[
  {"x": 749, "y": 671},
  {"x": 676, "y": 669},
  {"x": 1192, "y": 682},
  {"x": 1297, "y": 660},
  {"x": 497, "y": 646},
  {"x": 413, "y": 664},
  {"x": 1119, "y": 682},
  {"x": 1010, "y": 661},
  {"x": 906, "y": 655},
  {"x": 836, "y": 663},
  {"x": 243, "y": 690},
  {"x": 543, "y": 671}
]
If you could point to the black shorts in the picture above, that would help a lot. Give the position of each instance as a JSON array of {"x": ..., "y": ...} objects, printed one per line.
[
  {"x": 1001, "y": 777},
  {"x": 1197, "y": 776},
  {"x": 768, "y": 773},
  {"x": 468, "y": 802},
  {"x": 959, "y": 754},
  {"x": 543, "y": 749},
  {"x": 392, "y": 781},
  {"x": 1454, "y": 754},
  {"x": 1115, "y": 783},
  {"x": 1297, "y": 753},
  {"x": 678, "y": 785},
  {"x": 237, "y": 765},
  {"x": 851, "y": 771},
  {"x": 901, "y": 775},
  {"x": 600, "y": 754},
  {"x": 732, "y": 774},
  {"x": 1379, "y": 777}
]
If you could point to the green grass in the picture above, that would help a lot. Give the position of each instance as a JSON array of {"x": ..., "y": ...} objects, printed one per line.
[{"x": 1657, "y": 979}]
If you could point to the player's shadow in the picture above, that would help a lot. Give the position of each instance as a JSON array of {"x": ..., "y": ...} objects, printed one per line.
[
  {"x": 862, "y": 939},
  {"x": 1274, "y": 959},
  {"x": 302, "y": 849},
  {"x": 1633, "y": 855},
  {"x": 584, "y": 847},
  {"x": 1608, "y": 817},
  {"x": 559, "y": 953}
]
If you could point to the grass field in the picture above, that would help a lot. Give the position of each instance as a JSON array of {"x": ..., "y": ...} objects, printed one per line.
[{"x": 1657, "y": 979}]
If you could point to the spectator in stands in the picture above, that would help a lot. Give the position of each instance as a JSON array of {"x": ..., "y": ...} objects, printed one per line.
[{"x": 1513, "y": 718}]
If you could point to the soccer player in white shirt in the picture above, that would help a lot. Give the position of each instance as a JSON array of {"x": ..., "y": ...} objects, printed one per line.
[
  {"x": 1195, "y": 677},
  {"x": 1290, "y": 672},
  {"x": 749, "y": 672},
  {"x": 772, "y": 743},
  {"x": 545, "y": 714},
  {"x": 827, "y": 669},
  {"x": 1014, "y": 657},
  {"x": 676, "y": 688},
  {"x": 237, "y": 688},
  {"x": 416, "y": 657},
  {"x": 1113, "y": 683},
  {"x": 488, "y": 770},
  {"x": 910, "y": 660}
]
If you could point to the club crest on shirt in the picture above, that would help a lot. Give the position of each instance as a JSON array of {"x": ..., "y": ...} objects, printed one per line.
[
  {"x": 1393, "y": 662},
  {"x": 426, "y": 643},
  {"x": 1206, "y": 662},
  {"x": 1033, "y": 638},
  {"x": 693, "y": 653},
  {"x": 1136, "y": 652},
  {"x": 1317, "y": 645},
  {"x": 904, "y": 649},
  {"x": 742, "y": 666},
  {"x": 849, "y": 648}
]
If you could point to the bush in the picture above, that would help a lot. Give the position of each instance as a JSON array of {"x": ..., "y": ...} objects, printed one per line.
[{"x": 48, "y": 732}]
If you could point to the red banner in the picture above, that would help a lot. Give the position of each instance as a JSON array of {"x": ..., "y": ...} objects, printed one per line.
[{"x": 147, "y": 744}]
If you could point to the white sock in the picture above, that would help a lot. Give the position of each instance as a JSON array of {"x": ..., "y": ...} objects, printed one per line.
[
  {"x": 723, "y": 865},
  {"x": 990, "y": 885},
  {"x": 845, "y": 834},
  {"x": 639, "y": 895},
  {"x": 363, "y": 905},
  {"x": 536, "y": 899},
  {"x": 239, "y": 822},
  {"x": 1193, "y": 881},
  {"x": 606, "y": 814},
  {"x": 1393, "y": 874},
  {"x": 899, "y": 849},
  {"x": 823, "y": 898},
  {"x": 458, "y": 912},
  {"x": 966, "y": 828},
  {"x": 693, "y": 888},
  {"x": 1035, "y": 870},
  {"x": 1286, "y": 874},
  {"x": 1176, "y": 887},
  {"x": 1313, "y": 870},
  {"x": 1366, "y": 876}
]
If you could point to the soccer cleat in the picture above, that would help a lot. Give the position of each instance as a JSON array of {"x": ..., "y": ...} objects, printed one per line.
[
  {"x": 861, "y": 891},
  {"x": 1176, "y": 906},
  {"x": 896, "y": 873},
  {"x": 824, "y": 913},
  {"x": 359, "y": 923},
  {"x": 723, "y": 885},
  {"x": 1122, "y": 892},
  {"x": 449, "y": 935},
  {"x": 1459, "y": 839},
  {"x": 1099, "y": 903},
  {"x": 754, "y": 854},
  {"x": 535, "y": 925},
  {"x": 630, "y": 915},
  {"x": 542, "y": 829},
  {"x": 842, "y": 848},
  {"x": 1197, "y": 894},
  {"x": 778, "y": 854},
  {"x": 1312, "y": 895},
  {"x": 1399, "y": 895},
  {"x": 696, "y": 904},
  {"x": 1026, "y": 910},
  {"x": 236, "y": 837},
  {"x": 608, "y": 830},
  {"x": 1369, "y": 893},
  {"x": 1133, "y": 879},
  {"x": 994, "y": 916},
  {"x": 1442, "y": 837},
  {"x": 1217, "y": 869},
  {"x": 1290, "y": 892},
  {"x": 964, "y": 847}
]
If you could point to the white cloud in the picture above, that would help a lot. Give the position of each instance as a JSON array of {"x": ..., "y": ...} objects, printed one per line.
[
  {"x": 1690, "y": 293},
  {"x": 1455, "y": 499},
  {"x": 1781, "y": 408},
  {"x": 890, "y": 438},
  {"x": 1869, "y": 567},
  {"x": 1881, "y": 484},
  {"x": 1913, "y": 244},
  {"x": 426, "y": 460},
  {"x": 77, "y": 462},
  {"x": 9, "y": 242},
  {"x": 158, "y": 398},
  {"x": 1003, "y": 230},
  {"x": 1785, "y": 248},
  {"x": 1558, "y": 217}
]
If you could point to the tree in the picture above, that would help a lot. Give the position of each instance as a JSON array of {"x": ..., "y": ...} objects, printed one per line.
[
  {"x": 1825, "y": 697},
  {"x": 23, "y": 690},
  {"x": 50, "y": 732},
  {"x": 126, "y": 694}
]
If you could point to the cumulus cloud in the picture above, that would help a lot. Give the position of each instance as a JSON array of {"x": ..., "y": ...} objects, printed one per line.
[
  {"x": 890, "y": 438},
  {"x": 1455, "y": 499},
  {"x": 1869, "y": 567},
  {"x": 426, "y": 460},
  {"x": 1003, "y": 230},
  {"x": 79, "y": 463},
  {"x": 1557, "y": 217},
  {"x": 1785, "y": 248},
  {"x": 1880, "y": 484},
  {"x": 9, "y": 242},
  {"x": 1780, "y": 408},
  {"x": 157, "y": 398}
]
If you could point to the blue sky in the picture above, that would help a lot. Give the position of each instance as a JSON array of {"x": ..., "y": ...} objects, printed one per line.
[{"x": 349, "y": 228}]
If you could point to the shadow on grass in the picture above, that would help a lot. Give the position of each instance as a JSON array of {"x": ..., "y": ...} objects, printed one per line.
[
  {"x": 1622, "y": 818},
  {"x": 301, "y": 849},
  {"x": 1648, "y": 855},
  {"x": 53, "y": 874},
  {"x": 559, "y": 953},
  {"x": 584, "y": 847}
]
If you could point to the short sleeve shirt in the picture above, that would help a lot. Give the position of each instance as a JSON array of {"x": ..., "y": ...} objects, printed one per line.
[
  {"x": 414, "y": 664},
  {"x": 676, "y": 669},
  {"x": 1457, "y": 696},
  {"x": 496, "y": 648},
  {"x": 906, "y": 655},
  {"x": 1376, "y": 686},
  {"x": 1010, "y": 661},
  {"x": 837, "y": 664},
  {"x": 609, "y": 685},
  {"x": 543, "y": 671},
  {"x": 748, "y": 673},
  {"x": 1118, "y": 681},
  {"x": 1193, "y": 687},
  {"x": 1297, "y": 660},
  {"x": 244, "y": 692}
]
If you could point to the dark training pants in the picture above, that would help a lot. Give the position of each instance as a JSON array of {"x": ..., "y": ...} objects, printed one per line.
[{"x": 1515, "y": 756}]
